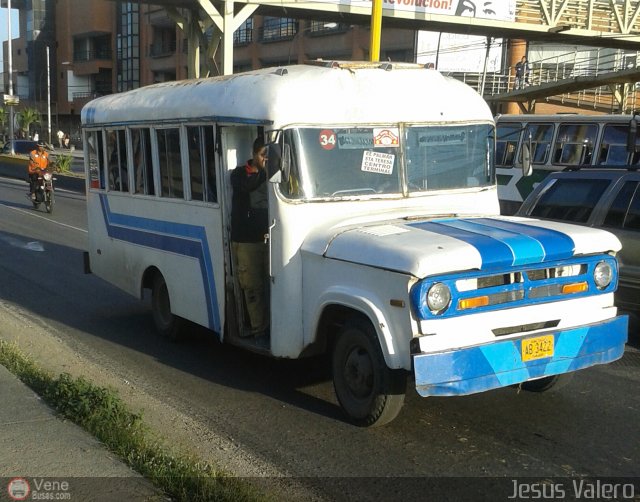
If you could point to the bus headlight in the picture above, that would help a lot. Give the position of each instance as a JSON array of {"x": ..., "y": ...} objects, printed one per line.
[
  {"x": 602, "y": 275},
  {"x": 438, "y": 298}
]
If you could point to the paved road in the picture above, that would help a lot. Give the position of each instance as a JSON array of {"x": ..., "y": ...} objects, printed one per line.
[{"x": 283, "y": 415}]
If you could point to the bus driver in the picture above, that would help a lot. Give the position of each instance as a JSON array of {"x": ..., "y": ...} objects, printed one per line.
[{"x": 249, "y": 225}]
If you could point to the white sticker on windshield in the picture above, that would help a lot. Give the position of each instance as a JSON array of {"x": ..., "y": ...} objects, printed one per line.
[{"x": 377, "y": 162}]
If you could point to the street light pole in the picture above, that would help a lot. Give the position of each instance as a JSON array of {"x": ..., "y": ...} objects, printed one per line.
[
  {"x": 11, "y": 111},
  {"x": 48, "y": 96}
]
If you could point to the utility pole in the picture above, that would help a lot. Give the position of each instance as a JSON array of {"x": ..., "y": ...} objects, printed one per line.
[
  {"x": 376, "y": 30},
  {"x": 11, "y": 111},
  {"x": 48, "y": 95}
]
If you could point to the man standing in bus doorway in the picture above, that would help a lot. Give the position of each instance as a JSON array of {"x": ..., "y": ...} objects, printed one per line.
[{"x": 249, "y": 226}]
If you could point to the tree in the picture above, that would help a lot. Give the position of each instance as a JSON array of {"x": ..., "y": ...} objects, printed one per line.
[{"x": 26, "y": 117}]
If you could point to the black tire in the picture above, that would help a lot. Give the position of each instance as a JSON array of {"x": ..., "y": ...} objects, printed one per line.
[
  {"x": 546, "y": 383},
  {"x": 168, "y": 325},
  {"x": 36, "y": 205},
  {"x": 48, "y": 202},
  {"x": 369, "y": 392}
]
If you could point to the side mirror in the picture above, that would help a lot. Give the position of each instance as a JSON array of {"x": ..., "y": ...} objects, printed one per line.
[{"x": 274, "y": 161}]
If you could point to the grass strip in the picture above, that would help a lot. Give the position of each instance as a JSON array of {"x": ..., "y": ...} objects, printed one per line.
[{"x": 101, "y": 412}]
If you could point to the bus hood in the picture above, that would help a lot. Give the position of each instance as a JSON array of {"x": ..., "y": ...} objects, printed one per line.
[{"x": 428, "y": 247}]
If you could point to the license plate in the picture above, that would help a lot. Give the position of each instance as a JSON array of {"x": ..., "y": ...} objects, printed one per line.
[{"x": 537, "y": 348}]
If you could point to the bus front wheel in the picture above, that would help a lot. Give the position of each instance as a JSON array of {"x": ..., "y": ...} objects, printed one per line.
[
  {"x": 369, "y": 392},
  {"x": 167, "y": 324}
]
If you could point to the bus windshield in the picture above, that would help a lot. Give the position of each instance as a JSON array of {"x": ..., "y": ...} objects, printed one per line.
[{"x": 361, "y": 161}]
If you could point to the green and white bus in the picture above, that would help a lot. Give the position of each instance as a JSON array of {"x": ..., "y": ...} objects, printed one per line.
[{"x": 558, "y": 142}]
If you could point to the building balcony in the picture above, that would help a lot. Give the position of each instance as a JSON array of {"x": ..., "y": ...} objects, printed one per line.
[
  {"x": 90, "y": 62},
  {"x": 163, "y": 49},
  {"x": 159, "y": 18}
]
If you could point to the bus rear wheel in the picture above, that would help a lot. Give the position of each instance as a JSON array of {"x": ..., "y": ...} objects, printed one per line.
[
  {"x": 369, "y": 392},
  {"x": 168, "y": 325}
]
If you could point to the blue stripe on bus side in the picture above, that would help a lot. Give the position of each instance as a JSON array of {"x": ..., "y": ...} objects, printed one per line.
[
  {"x": 504, "y": 244},
  {"x": 183, "y": 239}
]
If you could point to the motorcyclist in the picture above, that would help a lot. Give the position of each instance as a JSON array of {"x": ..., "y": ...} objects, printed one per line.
[{"x": 38, "y": 163}]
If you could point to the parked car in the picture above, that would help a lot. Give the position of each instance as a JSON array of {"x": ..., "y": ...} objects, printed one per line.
[
  {"x": 20, "y": 146},
  {"x": 607, "y": 198}
]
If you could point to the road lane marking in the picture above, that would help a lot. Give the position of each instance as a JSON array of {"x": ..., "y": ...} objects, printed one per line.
[
  {"x": 30, "y": 213},
  {"x": 63, "y": 190}
]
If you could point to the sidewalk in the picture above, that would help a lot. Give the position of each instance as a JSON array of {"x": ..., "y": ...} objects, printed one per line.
[{"x": 53, "y": 456}]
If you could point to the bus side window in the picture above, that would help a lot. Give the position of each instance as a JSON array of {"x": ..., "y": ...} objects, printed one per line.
[
  {"x": 170, "y": 163},
  {"x": 122, "y": 162},
  {"x": 117, "y": 160},
  {"x": 196, "y": 162},
  {"x": 510, "y": 154},
  {"x": 507, "y": 137},
  {"x": 96, "y": 156},
  {"x": 558, "y": 153},
  {"x": 211, "y": 188},
  {"x": 136, "y": 149},
  {"x": 149, "y": 187},
  {"x": 574, "y": 144},
  {"x": 142, "y": 167},
  {"x": 202, "y": 163},
  {"x": 603, "y": 154}
]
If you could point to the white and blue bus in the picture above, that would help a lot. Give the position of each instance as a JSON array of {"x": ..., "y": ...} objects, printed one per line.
[
  {"x": 386, "y": 247},
  {"x": 558, "y": 142}
]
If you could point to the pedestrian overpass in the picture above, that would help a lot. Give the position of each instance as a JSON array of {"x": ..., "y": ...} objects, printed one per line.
[
  {"x": 598, "y": 23},
  {"x": 620, "y": 82}
]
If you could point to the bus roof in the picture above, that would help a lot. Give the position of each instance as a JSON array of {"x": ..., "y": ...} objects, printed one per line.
[{"x": 300, "y": 94}]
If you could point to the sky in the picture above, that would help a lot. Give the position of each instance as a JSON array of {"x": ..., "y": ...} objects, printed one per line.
[{"x": 4, "y": 29}]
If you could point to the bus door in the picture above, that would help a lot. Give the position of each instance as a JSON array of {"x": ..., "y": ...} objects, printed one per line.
[
  {"x": 236, "y": 143},
  {"x": 203, "y": 181}
]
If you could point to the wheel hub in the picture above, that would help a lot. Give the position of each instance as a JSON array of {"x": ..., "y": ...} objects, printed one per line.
[{"x": 358, "y": 372}]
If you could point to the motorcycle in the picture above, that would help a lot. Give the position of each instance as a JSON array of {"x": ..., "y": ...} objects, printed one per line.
[{"x": 44, "y": 191}]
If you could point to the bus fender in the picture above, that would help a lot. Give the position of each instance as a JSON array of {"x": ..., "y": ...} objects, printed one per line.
[{"x": 360, "y": 301}]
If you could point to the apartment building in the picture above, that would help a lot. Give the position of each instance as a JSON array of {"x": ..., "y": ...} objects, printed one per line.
[{"x": 99, "y": 47}]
